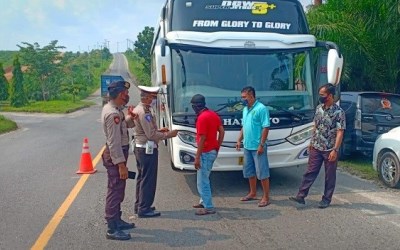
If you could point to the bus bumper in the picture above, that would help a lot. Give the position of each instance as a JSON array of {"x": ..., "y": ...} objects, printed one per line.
[{"x": 282, "y": 155}]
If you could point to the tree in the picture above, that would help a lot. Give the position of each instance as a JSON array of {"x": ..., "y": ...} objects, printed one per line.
[
  {"x": 367, "y": 32},
  {"x": 143, "y": 47},
  {"x": 73, "y": 88},
  {"x": 18, "y": 97},
  {"x": 3, "y": 84},
  {"x": 105, "y": 54},
  {"x": 44, "y": 67}
]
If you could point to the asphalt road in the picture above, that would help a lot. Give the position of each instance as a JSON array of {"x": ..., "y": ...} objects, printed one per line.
[{"x": 37, "y": 173}]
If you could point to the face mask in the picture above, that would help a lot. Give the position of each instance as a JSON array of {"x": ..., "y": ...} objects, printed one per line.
[
  {"x": 126, "y": 99},
  {"x": 323, "y": 99},
  {"x": 245, "y": 102},
  {"x": 197, "y": 109}
]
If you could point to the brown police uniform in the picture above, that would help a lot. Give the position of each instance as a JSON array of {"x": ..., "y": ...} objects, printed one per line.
[
  {"x": 147, "y": 164},
  {"x": 115, "y": 128}
]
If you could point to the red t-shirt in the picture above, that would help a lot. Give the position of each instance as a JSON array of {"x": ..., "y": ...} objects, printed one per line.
[{"x": 207, "y": 124}]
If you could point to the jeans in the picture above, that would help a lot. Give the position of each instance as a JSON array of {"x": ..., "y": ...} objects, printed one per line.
[
  {"x": 203, "y": 178},
  {"x": 255, "y": 164}
]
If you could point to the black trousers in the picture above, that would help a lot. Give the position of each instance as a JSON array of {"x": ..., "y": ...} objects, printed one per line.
[
  {"x": 115, "y": 187},
  {"x": 146, "y": 179}
]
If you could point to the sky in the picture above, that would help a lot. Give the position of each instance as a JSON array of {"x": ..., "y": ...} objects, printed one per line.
[{"x": 78, "y": 25}]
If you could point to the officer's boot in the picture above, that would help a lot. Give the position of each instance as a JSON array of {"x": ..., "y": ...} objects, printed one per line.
[
  {"x": 123, "y": 225},
  {"x": 113, "y": 233}
]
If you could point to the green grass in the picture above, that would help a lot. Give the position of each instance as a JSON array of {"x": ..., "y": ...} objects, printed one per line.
[
  {"x": 56, "y": 106},
  {"x": 361, "y": 166},
  {"x": 6, "y": 125}
]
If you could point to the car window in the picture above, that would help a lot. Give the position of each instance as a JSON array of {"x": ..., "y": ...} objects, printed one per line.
[{"x": 380, "y": 103}]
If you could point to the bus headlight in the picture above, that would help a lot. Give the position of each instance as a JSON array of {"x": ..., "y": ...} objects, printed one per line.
[
  {"x": 301, "y": 136},
  {"x": 188, "y": 137}
]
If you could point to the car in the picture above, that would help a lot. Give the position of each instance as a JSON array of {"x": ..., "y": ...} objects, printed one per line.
[
  {"x": 368, "y": 115},
  {"x": 385, "y": 157}
]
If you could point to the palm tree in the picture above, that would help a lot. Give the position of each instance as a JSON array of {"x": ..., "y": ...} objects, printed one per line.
[{"x": 367, "y": 32}]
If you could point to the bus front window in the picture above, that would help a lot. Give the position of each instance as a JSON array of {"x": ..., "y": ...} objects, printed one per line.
[{"x": 282, "y": 80}]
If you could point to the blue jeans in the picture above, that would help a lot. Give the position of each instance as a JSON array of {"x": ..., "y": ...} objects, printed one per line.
[{"x": 203, "y": 178}]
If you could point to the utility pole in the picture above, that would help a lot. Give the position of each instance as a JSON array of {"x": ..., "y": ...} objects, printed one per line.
[{"x": 88, "y": 64}]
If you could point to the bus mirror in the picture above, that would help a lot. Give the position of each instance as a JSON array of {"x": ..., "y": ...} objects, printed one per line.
[
  {"x": 334, "y": 66},
  {"x": 162, "y": 59}
]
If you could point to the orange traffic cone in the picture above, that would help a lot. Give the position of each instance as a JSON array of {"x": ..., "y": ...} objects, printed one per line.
[{"x": 86, "y": 166}]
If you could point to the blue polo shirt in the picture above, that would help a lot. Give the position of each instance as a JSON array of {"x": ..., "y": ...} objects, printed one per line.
[{"x": 254, "y": 120}]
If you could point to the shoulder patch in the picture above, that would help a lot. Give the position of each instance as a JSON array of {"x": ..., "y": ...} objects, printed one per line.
[
  {"x": 116, "y": 119},
  {"x": 148, "y": 117}
]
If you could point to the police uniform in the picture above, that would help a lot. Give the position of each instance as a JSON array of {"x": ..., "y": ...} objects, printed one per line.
[
  {"x": 146, "y": 131},
  {"x": 115, "y": 128}
]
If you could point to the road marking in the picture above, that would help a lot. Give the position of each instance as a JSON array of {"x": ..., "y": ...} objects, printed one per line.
[{"x": 48, "y": 231}]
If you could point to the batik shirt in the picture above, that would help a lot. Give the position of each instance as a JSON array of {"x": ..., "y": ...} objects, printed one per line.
[{"x": 327, "y": 123}]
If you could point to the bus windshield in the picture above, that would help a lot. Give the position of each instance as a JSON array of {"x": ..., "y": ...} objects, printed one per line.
[{"x": 282, "y": 79}]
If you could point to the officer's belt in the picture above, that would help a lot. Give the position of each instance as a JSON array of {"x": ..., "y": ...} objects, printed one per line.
[{"x": 144, "y": 145}]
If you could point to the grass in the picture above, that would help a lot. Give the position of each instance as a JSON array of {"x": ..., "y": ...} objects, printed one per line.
[
  {"x": 360, "y": 166},
  {"x": 56, "y": 106},
  {"x": 6, "y": 125}
]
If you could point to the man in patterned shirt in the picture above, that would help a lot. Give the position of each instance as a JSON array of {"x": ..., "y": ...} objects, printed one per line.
[{"x": 329, "y": 126}]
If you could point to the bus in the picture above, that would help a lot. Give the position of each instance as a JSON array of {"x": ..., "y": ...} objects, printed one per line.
[{"x": 217, "y": 47}]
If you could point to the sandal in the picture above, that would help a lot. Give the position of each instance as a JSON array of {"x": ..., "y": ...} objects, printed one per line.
[
  {"x": 248, "y": 198},
  {"x": 205, "y": 211},
  {"x": 263, "y": 203},
  {"x": 198, "y": 206}
]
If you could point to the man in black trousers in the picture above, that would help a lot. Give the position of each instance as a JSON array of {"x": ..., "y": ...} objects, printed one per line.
[{"x": 147, "y": 135}]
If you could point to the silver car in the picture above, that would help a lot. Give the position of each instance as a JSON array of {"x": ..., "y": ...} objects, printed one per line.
[{"x": 386, "y": 157}]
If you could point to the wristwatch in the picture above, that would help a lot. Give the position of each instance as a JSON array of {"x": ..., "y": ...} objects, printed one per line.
[{"x": 335, "y": 149}]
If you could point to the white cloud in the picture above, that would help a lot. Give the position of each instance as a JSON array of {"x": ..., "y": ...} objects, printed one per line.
[{"x": 34, "y": 13}]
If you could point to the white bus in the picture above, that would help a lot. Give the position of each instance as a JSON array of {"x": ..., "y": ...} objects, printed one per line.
[{"x": 215, "y": 48}]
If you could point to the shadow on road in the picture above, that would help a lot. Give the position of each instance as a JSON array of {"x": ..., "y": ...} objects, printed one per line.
[
  {"x": 182, "y": 238},
  {"x": 230, "y": 213}
]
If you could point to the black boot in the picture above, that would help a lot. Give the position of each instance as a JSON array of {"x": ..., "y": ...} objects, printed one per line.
[
  {"x": 114, "y": 233},
  {"x": 123, "y": 225}
]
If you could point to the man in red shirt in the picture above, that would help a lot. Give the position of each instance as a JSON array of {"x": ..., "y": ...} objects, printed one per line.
[{"x": 208, "y": 125}]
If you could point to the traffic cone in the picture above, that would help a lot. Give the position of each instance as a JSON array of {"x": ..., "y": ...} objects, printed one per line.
[{"x": 86, "y": 166}]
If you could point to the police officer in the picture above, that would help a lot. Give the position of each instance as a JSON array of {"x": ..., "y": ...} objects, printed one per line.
[
  {"x": 147, "y": 136},
  {"x": 115, "y": 156}
]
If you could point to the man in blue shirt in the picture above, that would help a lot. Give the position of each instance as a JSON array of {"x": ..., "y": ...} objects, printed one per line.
[{"x": 254, "y": 133}]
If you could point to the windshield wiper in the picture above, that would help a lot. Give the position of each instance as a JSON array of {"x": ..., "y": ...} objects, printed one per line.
[
  {"x": 227, "y": 105},
  {"x": 298, "y": 116}
]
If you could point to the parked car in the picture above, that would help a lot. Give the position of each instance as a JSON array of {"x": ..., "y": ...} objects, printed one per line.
[
  {"x": 386, "y": 157},
  {"x": 368, "y": 115}
]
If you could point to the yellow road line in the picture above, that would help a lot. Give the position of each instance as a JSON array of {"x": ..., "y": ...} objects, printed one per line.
[{"x": 48, "y": 231}]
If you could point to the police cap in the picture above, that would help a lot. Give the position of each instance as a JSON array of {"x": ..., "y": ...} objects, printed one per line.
[
  {"x": 152, "y": 90},
  {"x": 117, "y": 87}
]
